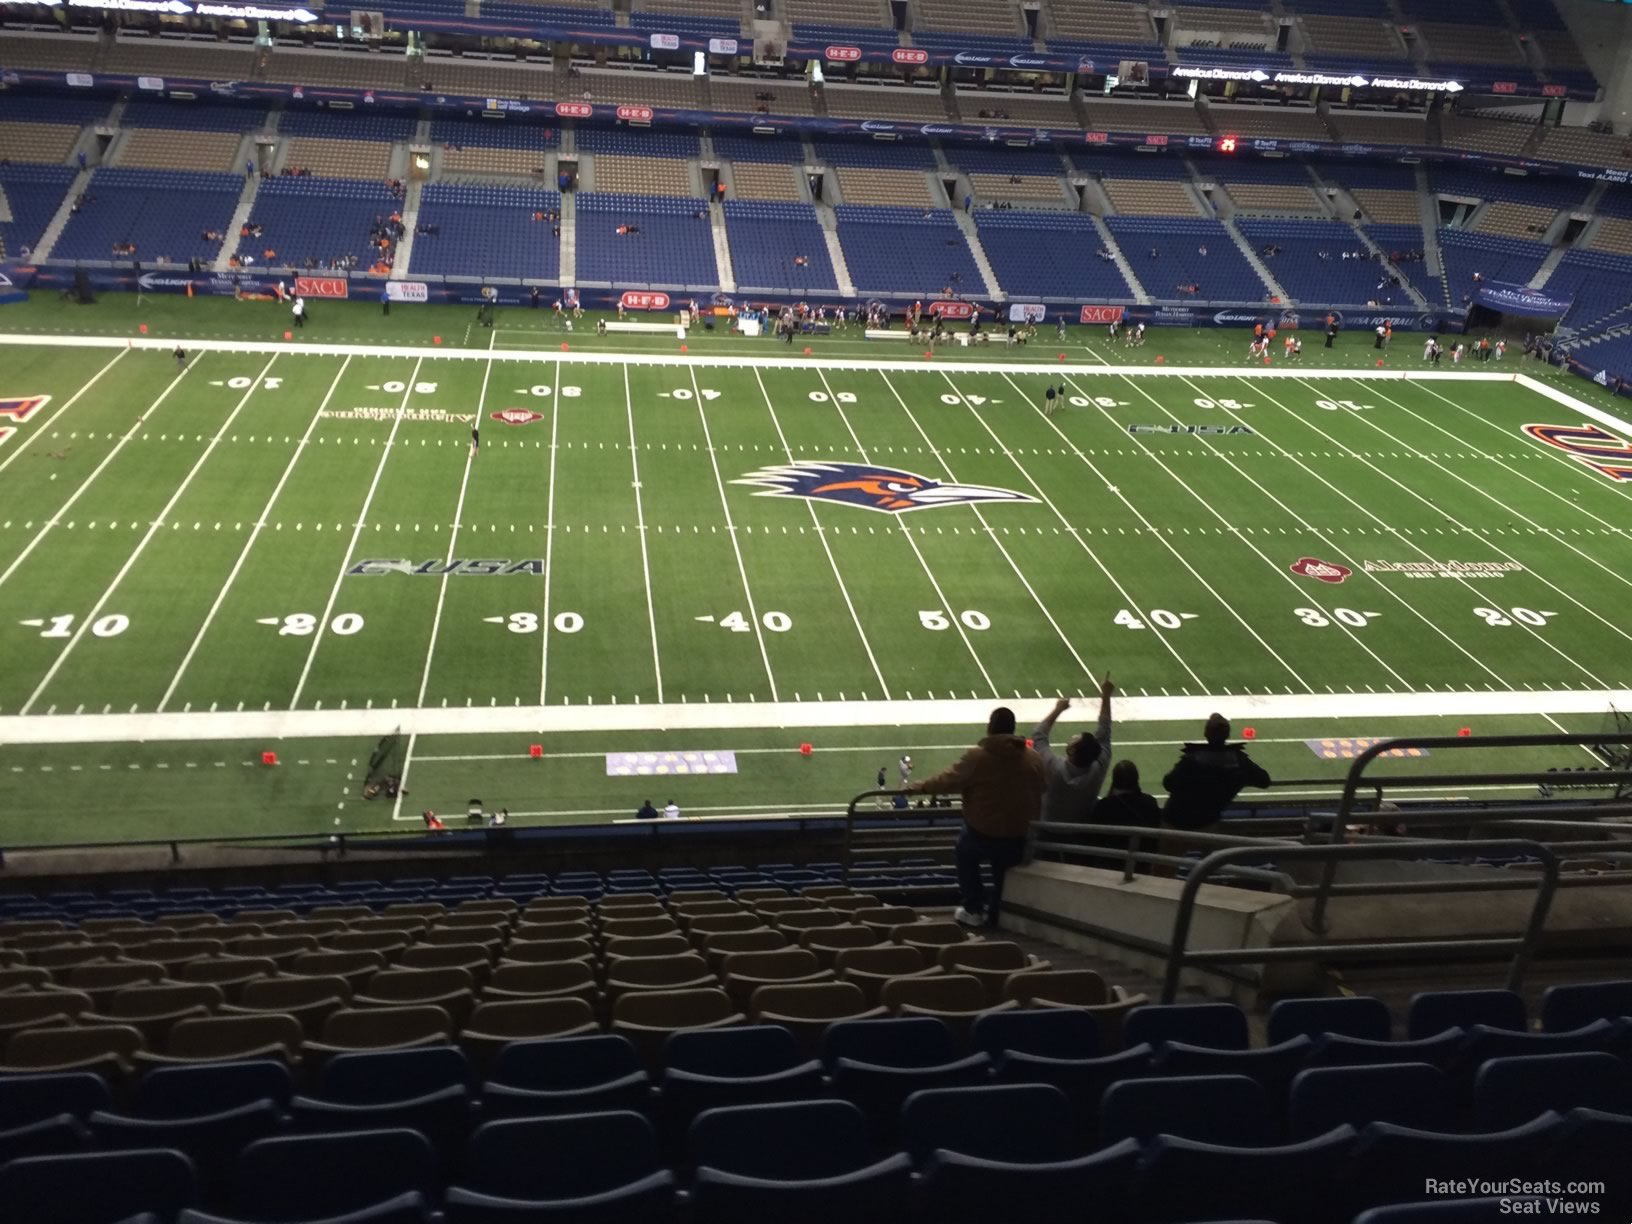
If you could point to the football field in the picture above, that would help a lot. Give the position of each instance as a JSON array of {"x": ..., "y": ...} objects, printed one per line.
[{"x": 274, "y": 540}]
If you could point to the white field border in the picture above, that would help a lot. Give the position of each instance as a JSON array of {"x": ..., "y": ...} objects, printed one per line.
[{"x": 545, "y": 720}]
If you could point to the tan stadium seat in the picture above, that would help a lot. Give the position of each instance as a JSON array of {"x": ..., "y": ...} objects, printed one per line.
[
  {"x": 317, "y": 928},
  {"x": 807, "y": 1010},
  {"x": 416, "y": 909},
  {"x": 28, "y": 977},
  {"x": 352, "y": 968},
  {"x": 155, "y": 1010},
  {"x": 546, "y": 951},
  {"x": 473, "y": 957},
  {"x": 684, "y": 897},
  {"x": 885, "y": 918},
  {"x": 1064, "y": 987},
  {"x": 534, "y": 931},
  {"x": 699, "y": 929},
  {"x": 574, "y": 979},
  {"x": 991, "y": 962},
  {"x": 452, "y": 989},
  {"x": 35, "y": 1009},
  {"x": 230, "y": 973},
  {"x": 282, "y": 950},
  {"x": 828, "y": 942},
  {"x": 630, "y": 905},
  {"x": 381, "y": 1028},
  {"x": 106, "y": 1049},
  {"x": 104, "y": 979},
  {"x": 19, "y": 929},
  {"x": 956, "y": 999},
  {"x": 647, "y": 1017},
  {"x": 220, "y": 1038},
  {"x": 616, "y": 928},
  {"x": 494, "y": 1025},
  {"x": 34, "y": 941},
  {"x": 849, "y": 903},
  {"x": 870, "y": 968},
  {"x": 645, "y": 945},
  {"x": 823, "y": 891},
  {"x": 751, "y": 896},
  {"x": 193, "y": 922},
  {"x": 929, "y": 938},
  {"x": 705, "y": 909},
  {"x": 746, "y": 972},
  {"x": 260, "y": 917},
  {"x": 310, "y": 1000},
  {"x": 722, "y": 944},
  {"x": 389, "y": 944},
  {"x": 60, "y": 956},
  {"x": 546, "y": 909},
  {"x": 340, "y": 913},
  {"x": 501, "y": 906},
  {"x": 797, "y": 921},
  {"x": 174, "y": 953},
  {"x": 636, "y": 973},
  {"x": 448, "y": 937},
  {"x": 479, "y": 920},
  {"x": 410, "y": 924},
  {"x": 771, "y": 906}
]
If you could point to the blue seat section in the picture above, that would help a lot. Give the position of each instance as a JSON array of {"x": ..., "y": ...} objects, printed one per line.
[
  {"x": 487, "y": 231},
  {"x": 975, "y": 159},
  {"x": 1050, "y": 255},
  {"x": 98, "y": 1187},
  {"x": 628, "y": 142},
  {"x": 1206, "y": 1108},
  {"x": 320, "y": 219},
  {"x": 1182, "y": 1179},
  {"x": 759, "y": 149},
  {"x": 1571, "y": 1006},
  {"x": 1402, "y": 239},
  {"x": 1595, "y": 282},
  {"x": 1016, "y": 1123},
  {"x": 767, "y": 237},
  {"x": 685, "y": 23},
  {"x": 1308, "y": 262},
  {"x": 306, "y": 1177},
  {"x": 1434, "y": 1011},
  {"x": 1406, "y": 1094},
  {"x": 34, "y": 193},
  {"x": 1395, "y": 1164},
  {"x": 1103, "y": 55},
  {"x": 469, "y": 133},
  {"x": 1223, "y": 56},
  {"x": 911, "y": 250},
  {"x": 341, "y": 126},
  {"x": 26, "y": 1099},
  {"x": 1165, "y": 254},
  {"x": 1496, "y": 259},
  {"x": 28, "y": 108},
  {"x": 843, "y": 35},
  {"x": 973, "y": 42},
  {"x": 1054, "y": 1032},
  {"x": 1354, "y": 1016},
  {"x": 711, "y": 1068},
  {"x": 1218, "y": 1026},
  {"x": 186, "y": 1091},
  {"x": 1510, "y": 1091},
  {"x": 1485, "y": 184},
  {"x": 573, "y": 17},
  {"x": 674, "y": 245},
  {"x": 570, "y": 1075},
  {"x": 193, "y": 117},
  {"x": 163, "y": 212},
  {"x": 373, "y": 1078},
  {"x": 878, "y": 1064},
  {"x": 410, "y": 1208},
  {"x": 1272, "y": 1067},
  {"x": 894, "y": 155},
  {"x": 209, "y": 1140}
]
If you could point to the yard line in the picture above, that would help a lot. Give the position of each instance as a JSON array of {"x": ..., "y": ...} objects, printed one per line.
[
  {"x": 442, "y": 590},
  {"x": 1463, "y": 526},
  {"x": 362, "y": 518},
  {"x": 153, "y": 530},
  {"x": 1155, "y": 534},
  {"x": 1586, "y": 556},
  {"x": 827, "y": 548},
  {"x": 39, "y": 430},
  {"x": 1273, "y": 565},
  {"x": 640, "y": 530},
  {"x": 991, "y": 534},
  {"x": 906, "y": 534},
  {"x": 731, "y": 530},
  {"x": 549, "y": 541},
  {"x": 1329, "y": 542},
  {"x": 260, "y": 522},
  {"x": 89, "y": 480},
  {"x": 1086, "y": 547}
]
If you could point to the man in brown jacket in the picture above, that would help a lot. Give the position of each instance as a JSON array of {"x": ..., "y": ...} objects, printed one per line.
[{"x": 1001, "y": 782}]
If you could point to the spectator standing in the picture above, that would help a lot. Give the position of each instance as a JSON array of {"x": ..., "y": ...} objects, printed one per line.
[
  {"x": 1001, "y": 784},
  {"x": 904, "y": 768},
  {"x": 647, "y": 811},
  {"x": 1207, "y": 778},
  {"x": 671, "y": 810},
  {"x": 1072, "y": 781},
  {"x": 385, "y": 302}
]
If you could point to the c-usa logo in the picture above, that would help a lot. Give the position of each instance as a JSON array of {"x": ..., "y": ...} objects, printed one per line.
[{"x": 870, "y": 486}]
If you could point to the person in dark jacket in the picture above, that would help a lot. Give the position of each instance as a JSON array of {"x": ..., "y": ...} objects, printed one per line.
[
  {"x": 1126, "y": 804},
  {"x": 1207, "y": 778},
  {"x": 647, "y": 811}
]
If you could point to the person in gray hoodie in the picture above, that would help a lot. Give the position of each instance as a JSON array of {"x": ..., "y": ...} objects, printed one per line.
[{"x": 1073, "y": 779}]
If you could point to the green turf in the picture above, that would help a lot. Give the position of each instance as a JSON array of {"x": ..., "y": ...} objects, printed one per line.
[{"x": 179, "y": 543}]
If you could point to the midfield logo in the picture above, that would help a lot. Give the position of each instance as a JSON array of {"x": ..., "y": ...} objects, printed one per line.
[
  {"x": 871, "y": 487},
  {"x": 1320, "y": 571}
]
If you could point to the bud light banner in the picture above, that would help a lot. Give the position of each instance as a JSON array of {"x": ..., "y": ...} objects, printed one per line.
[{"x": 1520, "y": 300}]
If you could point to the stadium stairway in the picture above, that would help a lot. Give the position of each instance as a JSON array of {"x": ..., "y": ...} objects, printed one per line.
[
  {"x": 835, "y": 251},
  {"x": 59, "y": 219},
  {"x": 5, "y": 210},
  {"x": 967, "y": 224},
  {"x": 240, "y": 217},
  {"x": 1405, "y": 283},
  {"x": 410, "y": 219},
  {"x": 569, "y": 239},
  {"x": 1140, "y": 294},
  {"x": 1428, "y": 209},
  {"x": 722, "y": 247},
  {"x": 1258, "y": 266},
  {"x": 1545, "y": 272}
]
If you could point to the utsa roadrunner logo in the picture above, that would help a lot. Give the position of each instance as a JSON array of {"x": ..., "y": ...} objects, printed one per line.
[{"x": 870, "y": 486}]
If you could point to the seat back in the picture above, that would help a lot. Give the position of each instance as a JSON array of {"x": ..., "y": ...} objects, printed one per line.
[
  {"x": 303, "y": 1177},
  {"x": 1069, "y": 987},
  {"x": 567, "y": 1063},
  {"x": 1434, "y": 1011},
  {"x": 414, "y": 985},
  {"x": 1511, "y": 1091},
  {"x": 798, "y": 1140},
  {"x": 547, "y": 951},
  {"x": 575, "y": 1156},
  {"x": 1220, "y": 1026},
  {"x": 941, "y": 992},
  {"x": 66, "y": 1047},
  {"x": 293, "y": 990},
  {"x": 27, "y": 1099},
  {"x": 1020, "y": 1123},
  {"x": 1206, "y": 1108},
  {"x": 914, "y": 1042},
  {"x": 383, "y": 1027},
  {"x": 374, "y": 1077},
  {"x": 1573, "y": 1006},
  {"x": 984, "y": 954},
  {"x": 1357, "y": 1016},
  {"x": 1051, "y": 1033},
  {"x": 522, "y": 1019},
  {"x": 881, "y": 960},
  {"x": 234, "y": 1036},
  {"x": 181, "y": 1092},
  {"x": 98, "y": 1187},
  {"x": 1406, "y": 1094}
]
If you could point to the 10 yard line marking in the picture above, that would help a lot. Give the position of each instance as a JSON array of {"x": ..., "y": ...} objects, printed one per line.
[
  {"x": 640, "y": 530},
  {"x": 357, "y": 531},
  {"x": 86, "y": 483},
  {"x": 152, "y": 531},
  {"x": 39, "y": 430},
  {"x": 549, "y": 542},
  {"x": 260, "y": 522},
  {"x": 731, "y": 530}
]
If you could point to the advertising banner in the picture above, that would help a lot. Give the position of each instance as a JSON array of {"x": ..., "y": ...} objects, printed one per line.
[
  {"x": 320, "y": 286},
  {"x": 1100, "y": 314},
  {"x": 1520, "y": 300},
  {"x": 1027, "y": 312},
  {"x": 407, "y": 291},
  {"x": 951, "y": 310},
  {"x": 635, "y": 299}
]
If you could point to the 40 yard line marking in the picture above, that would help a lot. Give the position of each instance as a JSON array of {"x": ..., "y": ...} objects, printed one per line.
[
  {"x": 260, "y": 523},
  {"x": 39, "y": 431},
  {"x": 158, "y": 522},
  {"x": 640, "y": 530},
  {"x": 357, "y": 531}
]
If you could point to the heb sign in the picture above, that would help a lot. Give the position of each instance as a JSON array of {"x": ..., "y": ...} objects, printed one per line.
[
  {"x": 320, "y": 286},
  {"x": 909, "y": 55},
  {"x": 845, "y": 55},
  {"x": 1100, "y": 314},
  {"x": 574, "y": 110},
  {"x": 636, "y": 300},
  {"x": 635, "y": 114},
  {"x": 951, "y": 310}
]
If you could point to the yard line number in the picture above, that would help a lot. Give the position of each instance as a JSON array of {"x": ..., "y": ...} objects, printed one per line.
[
  {"x": 527, "y": 622},
  {"x": 1316, "y": 619},
  {"x": 1160, "y": 617},
  {"x": 969, "y": 618},
  {"x": 63, "y": 626},
  {"x": 1499, "y": 618},
  {"x": 544, "y": 391},
  {"x": 304, "y": 624}
]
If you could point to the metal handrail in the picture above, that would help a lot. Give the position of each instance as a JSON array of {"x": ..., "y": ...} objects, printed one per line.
[{"x": 1522, "y": 946}]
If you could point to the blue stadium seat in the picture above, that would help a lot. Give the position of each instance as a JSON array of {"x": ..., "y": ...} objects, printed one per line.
[
  {"x": 34, "y": 1098},
  {"x": 1012, "y": 1123},
  {"x": 582, "y": 1167},
  {"x": 443, "y": 1117},
  {"x": 1456, "y": 1211},
  {"x": 210, "y": 1141},
  {"x": 1406, "y": 1094},
  {"x": 1336, "y": 1050},
  {"x": 1056, "y": 1032},
  {"x": 98, "y": 1187},
  {"x": 1182, "y": 1179},
  {"x": 1203, "y": 1108},
  {"x": 960, "y": 1189},
  {"x": 1217, "y": 1026},
  {"x": 806, "y": 1162},
  {"x": 1434, "y": 1011},
  {"x": 1482, "y": 1043},
  {"x": 1084, "y": 1080},
  {"x": 292, "y": 1178},
  {"x": 1358, "y": 1016},
  {"x": 1272, "y": 1066},
  {"x": 568, "y": 1075},
  {"x": 1591, "y": 1145},
  {"x": 1510, "y": 1091},
  {"x": 374, "y": 1078},
  {"x": 877, "y": 1064},
  {"x": 1573, "y": 1006},
  {"x": 1394, "y": 1164},
  {"x": 410, "y": 1208},
  {"x": 709, "y": 1068},
  {"x": 182, "y": 1092},
  {"x": 55, "y": 1136}
]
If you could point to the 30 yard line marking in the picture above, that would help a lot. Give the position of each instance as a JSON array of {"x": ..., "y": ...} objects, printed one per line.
[
  {"x": 640, "y": 530},
  {"x": 731, "y": 530},
  {"x": 906, "y": 534},
  {"x": 158, "y": 523},
  {"x": 1161, "y": 635},
  {"x": 356, "y": 533},
  {"x": 255, "y": 532},
  {"x": 39, "y": 431},
  {"x": 992, "y": 535},
  {"x": 826, "y": 547},
  {"x": 549, "y": 542},
  {"x": 89, "y": 480}
]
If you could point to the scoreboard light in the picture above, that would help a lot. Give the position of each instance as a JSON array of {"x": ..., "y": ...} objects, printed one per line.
[{"x": 1226, "y": 144}]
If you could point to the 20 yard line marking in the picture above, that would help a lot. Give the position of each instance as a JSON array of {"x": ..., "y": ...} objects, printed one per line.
[
  {"x": 356, "y": 532},
  {"x": 153, "y": 530},
  {"x": 640, "y": 530},
  {"x": 39, "y": 431},
  {"x": 731, "y": 530},
  {"x": 826, "y": 547},
  {"x": 260, "y": 522}
]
